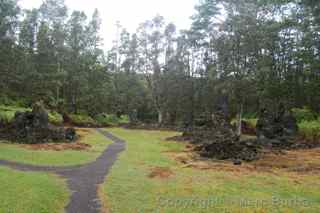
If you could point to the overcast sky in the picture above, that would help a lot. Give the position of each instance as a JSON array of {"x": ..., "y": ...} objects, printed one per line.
[{"x": 130, "y": 13}]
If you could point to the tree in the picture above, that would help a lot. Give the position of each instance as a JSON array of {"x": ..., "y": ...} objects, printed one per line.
[
  {"x": 76, "y": 75},
  {"x": 9, "y": 53}
]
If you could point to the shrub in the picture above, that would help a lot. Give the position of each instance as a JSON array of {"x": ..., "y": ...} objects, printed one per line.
[
  {"x": 304, "y": 114},
  {"x": 250, "y": 115},
  {"x": 124, "y": 119},
  {"x": 111, "y": 120},
  {"x": 310, "y": 129},
  {"x": 7, "y": 113},
  {"x": 82, "y": 120},
  {"x": 252, "y": 122},
  {"x": 55, "y": 118}
]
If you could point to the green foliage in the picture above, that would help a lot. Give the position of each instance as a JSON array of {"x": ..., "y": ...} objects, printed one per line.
[
  {"x": 55, "y": 118},
  {"x": 82, "y": 120},
  {"x": 111, "y": 120},
  {"x": 310, "y": 129},
  {"x": 252, "y": 121},
  {"x": 303, "y": 114},
  {"x": 7, "y": 114},
  {"x": 49, "y": 54},
  {"x": 124, "y": 119},
  {"x": 250, "y": 115}
]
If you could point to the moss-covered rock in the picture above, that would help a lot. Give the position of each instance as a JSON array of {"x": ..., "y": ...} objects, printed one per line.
[
  {"x": 33, "y": 127},
  {"x": 7, "y": 114}
]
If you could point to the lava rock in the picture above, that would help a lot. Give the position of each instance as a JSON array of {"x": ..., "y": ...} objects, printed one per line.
[
  {"x": 71, "y": 134},
  {"x": 237, "y": 162},
  {"x": 34, "y": 128},
  {"x": 217, "y": 139},
  {"x": 277, "y": 129}
]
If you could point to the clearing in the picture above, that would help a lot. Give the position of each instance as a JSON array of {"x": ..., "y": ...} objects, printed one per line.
[{"x": 155, "y": 175}]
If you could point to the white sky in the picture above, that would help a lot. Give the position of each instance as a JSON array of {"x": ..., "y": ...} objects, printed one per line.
[{"x": 130, "y": 13}]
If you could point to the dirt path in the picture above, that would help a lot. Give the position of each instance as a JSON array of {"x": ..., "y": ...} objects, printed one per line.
[{"x": 83, "y": 181}]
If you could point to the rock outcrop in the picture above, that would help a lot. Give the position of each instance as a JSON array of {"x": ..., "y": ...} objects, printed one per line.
[
  {"x": 277, "y": 129},
  {"x": 34, "y": 128},
  {"x": 217, "y": 139}
]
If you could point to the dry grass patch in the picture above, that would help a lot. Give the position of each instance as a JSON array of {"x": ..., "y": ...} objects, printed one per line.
[
  {"x": 303, "y": 161},
  {"x": 58, "y": 147},
  {"x": 161, "y": 172}
]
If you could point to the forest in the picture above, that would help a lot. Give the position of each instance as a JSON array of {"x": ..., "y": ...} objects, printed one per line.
[
  {"x": 223, "y": 116},
  {"x": 254, "y": 52}
]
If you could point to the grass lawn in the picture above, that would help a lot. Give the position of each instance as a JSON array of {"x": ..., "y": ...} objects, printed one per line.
[
  {"x": 147, "y": 179},
  {"x": 18, "y": 153},
  {"x": 22, "y": 192}
]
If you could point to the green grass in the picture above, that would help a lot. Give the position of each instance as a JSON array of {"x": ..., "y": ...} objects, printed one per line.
[
  {"x": 16, "y": 153},
  {"x": 28, "y": 192},
  {"x": 129, "y": 188}
]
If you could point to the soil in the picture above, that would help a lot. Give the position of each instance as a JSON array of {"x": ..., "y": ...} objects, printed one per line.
[
  {"x": 301, "y": 161},
  {"x": 58, "y": 147},
  {"x": 160, "y": 172}
]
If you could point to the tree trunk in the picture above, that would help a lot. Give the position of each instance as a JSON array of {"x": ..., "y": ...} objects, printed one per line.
[
  {"x": 239, "y": 130},
  {"x": 160, "y": 117},
  {"x": 57, "y": 96}
]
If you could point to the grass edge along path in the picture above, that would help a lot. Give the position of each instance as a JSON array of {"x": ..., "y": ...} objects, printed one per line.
[{"x": 82, "y": 180}]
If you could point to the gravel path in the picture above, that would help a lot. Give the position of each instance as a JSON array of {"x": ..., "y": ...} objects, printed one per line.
[{"x": 83, "y": 181}]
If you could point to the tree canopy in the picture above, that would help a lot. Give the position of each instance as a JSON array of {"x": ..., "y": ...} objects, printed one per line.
[{"x": 249, "y": 52}]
